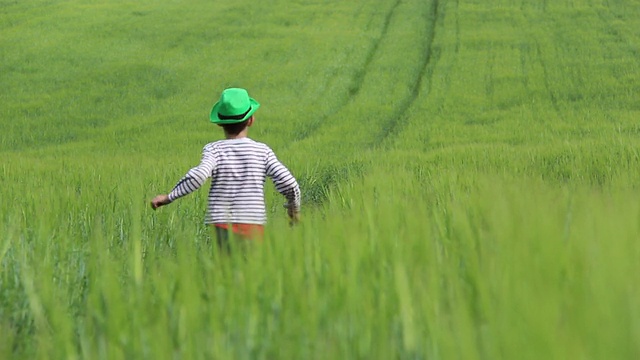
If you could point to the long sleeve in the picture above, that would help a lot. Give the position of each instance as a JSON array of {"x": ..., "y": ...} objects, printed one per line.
[
  {"x": 195, "y": 177},
  {"x": 284, "y": 181}
]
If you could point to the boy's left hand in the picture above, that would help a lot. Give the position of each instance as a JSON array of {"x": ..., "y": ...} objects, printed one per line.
[{"x": 159, "y": 200}]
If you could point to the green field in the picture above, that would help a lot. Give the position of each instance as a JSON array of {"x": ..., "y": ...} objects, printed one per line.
[{"x": 469, "y": 171}]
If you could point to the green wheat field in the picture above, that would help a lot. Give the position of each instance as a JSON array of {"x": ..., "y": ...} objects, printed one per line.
[{"x": 470, "y": 173}]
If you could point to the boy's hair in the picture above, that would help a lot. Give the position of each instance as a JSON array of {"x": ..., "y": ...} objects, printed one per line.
[{"x": 235, "y": 129}]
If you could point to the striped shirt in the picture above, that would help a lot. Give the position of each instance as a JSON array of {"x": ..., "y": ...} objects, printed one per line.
[{"x": 238, "y": 169}]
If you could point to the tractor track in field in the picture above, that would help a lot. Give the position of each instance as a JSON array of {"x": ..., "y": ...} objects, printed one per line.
[
  {"x": 609, "y": 18},
  {"x": 357, "y": 80},
  {"x": 606, "y": 18},
  {"x": 319, "y": 183},
  {"x": 425, "y": 73},
  {"x": 543, "y": 64},
  {"x": 547, "y": 83},
  {"x": 359, "y": 76}
]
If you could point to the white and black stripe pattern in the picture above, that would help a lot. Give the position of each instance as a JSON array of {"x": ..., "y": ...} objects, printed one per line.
[{"x": 238, "y": 169}]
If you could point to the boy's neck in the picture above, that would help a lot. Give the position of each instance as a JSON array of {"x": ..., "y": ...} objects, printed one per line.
[{"x": 243, "y": 134}]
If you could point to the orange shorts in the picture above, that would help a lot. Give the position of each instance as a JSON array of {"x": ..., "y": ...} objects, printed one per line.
[{"x": 248, "y": 231}]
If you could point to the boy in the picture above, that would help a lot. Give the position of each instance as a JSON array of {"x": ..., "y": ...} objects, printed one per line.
[{"x": 238, "y": 167}]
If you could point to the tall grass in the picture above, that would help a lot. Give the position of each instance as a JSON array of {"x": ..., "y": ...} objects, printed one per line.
[{"x": 441, "y": 265}]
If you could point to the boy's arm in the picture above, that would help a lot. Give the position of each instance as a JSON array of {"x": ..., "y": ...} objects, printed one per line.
[
  {"x": 285, "y": 184},
  {"x": 191, "y": 181}
]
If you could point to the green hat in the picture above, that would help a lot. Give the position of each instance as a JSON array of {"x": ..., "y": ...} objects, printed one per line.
[{"x": 234, "y": 106}]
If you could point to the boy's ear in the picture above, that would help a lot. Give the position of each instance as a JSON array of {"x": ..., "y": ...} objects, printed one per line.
[{"x": 250, "y": 121}]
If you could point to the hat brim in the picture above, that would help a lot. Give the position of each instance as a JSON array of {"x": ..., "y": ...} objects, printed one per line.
[{"x": 216, "y": 119}]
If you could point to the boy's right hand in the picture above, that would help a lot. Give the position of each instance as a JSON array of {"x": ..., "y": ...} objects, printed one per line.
[{"x": 294, "y": 216}]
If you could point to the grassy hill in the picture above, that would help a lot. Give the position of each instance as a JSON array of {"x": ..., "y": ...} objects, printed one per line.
[{"x": 468, "y": 169}]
